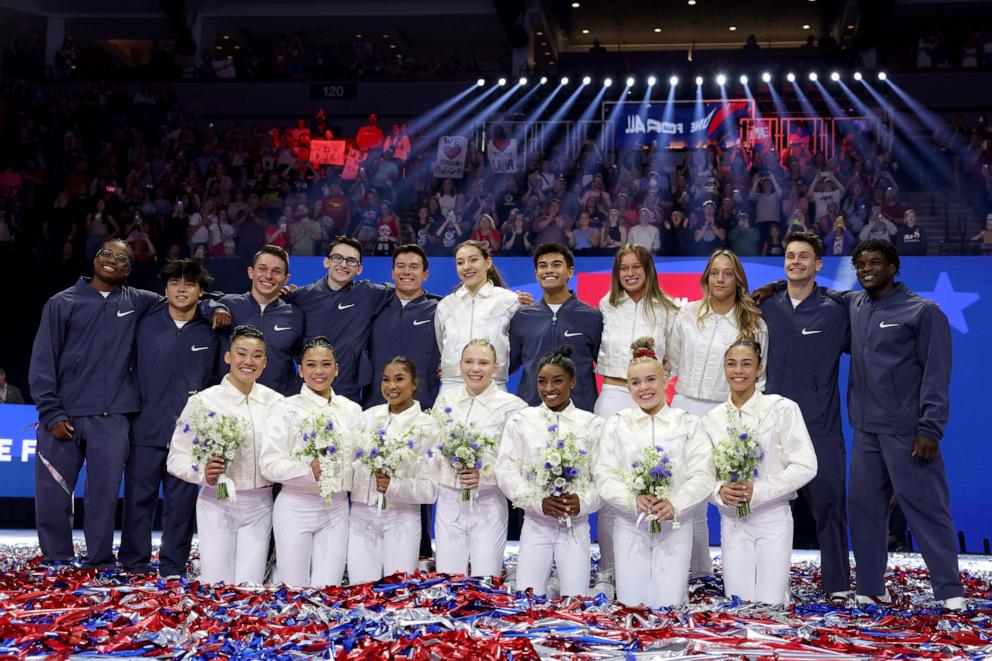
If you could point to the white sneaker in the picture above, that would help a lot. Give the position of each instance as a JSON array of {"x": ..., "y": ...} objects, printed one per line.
[
  {"x": 604, "y": 584},
  {"x": 869, "y": 599},
  {"x": 954, "y": 604},
  {"x": 841, "y": 596}
]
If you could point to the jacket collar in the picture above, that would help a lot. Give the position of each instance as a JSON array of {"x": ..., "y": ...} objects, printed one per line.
[
  {"x": 484, "y": 397},
  {"x": 485, "y": 291},
  {"x": 569, "y": 412},
  {"x": 85, "y": 285},
  {"x": 232, "y": 393},
  {"x": 753, "y": 408},
  {"x": 313, "y": 399}
]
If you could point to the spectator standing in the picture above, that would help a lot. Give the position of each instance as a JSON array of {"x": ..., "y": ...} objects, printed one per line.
[
  {"x": 9, "y": 394},
  {"x": 911, "y": 238}
]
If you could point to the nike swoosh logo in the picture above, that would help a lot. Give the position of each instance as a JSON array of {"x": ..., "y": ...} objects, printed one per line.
[
  {"x": 421, "y": 322},
  {"x": 277, "y": 327},
  {"x": 196, "y": 348},
  {"x": 124, "y": 314},
  {"x": 885, "y": 325},
  {"x": 342, "y": 306},
  {"x": 809, "y": 332},
  {"x": 570, "y": 334}
]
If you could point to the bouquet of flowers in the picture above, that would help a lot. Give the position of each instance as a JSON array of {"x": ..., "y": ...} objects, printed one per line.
[
  {"x": 462, "y": 446},
  {"x": 386, "y": 454},
  {"x": 219, "y": 436},
  {"x": 737, "y": 458},
  {"x": 322, "y": 441},
  {"x": 651, "y": 476},
  {"x": 563, "y": 467}
]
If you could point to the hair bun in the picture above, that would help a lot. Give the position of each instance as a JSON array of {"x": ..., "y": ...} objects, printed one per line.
[{"x": 564, "y": 351}]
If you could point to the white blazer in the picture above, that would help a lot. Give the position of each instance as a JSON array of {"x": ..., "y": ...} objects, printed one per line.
[
  {"x": 461, "y": 317},
  {"x": 625, "y": 323}
]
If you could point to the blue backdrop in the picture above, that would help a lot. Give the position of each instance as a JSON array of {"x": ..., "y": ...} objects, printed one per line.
[{"x": 961, "y": 285}]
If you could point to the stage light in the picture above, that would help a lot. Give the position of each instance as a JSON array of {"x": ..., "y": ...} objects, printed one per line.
[
  {"x": 699, "y": 81},
  {"x": 881, "y": 75},
  {"x": 692, "y": 2},
  {"x": 607, "y": 82},
  {"x": 813, "y": 76},
  {"x": 651, "y": 81},
  {"x": 630, "y": 81},
  {"x": 522, "y": 81},
  {"x": 857, "y": 75},
  {"x": 673, "y": 81},
  {"x": 501, "y": 82},
  {"x": 743, "y": 80},
  {"x": 766, "y": 77},
  {"x": 564, "y": 80},
  {"x": 586, "y": 80},
  {"x": 721, "y": 79},
  {"x": 835, "y": 76},
  {"x": 480, "y": 83},
  {"x": 544, "y": 80},
  {"x": 791, "y": 77}
]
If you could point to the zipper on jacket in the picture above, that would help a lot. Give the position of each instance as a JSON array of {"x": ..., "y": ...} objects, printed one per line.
[
  {"x": 254, "y": 446},
  {"x": 702, "y": 377}
]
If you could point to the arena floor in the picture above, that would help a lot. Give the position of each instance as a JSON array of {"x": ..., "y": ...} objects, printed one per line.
[{"x": 427, "y": 616}]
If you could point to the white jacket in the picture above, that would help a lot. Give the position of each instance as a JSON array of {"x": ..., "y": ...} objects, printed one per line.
[
  {"x": 487, "y": 413},
  {"x": 225, "y": 399},
  {"x": 789, "y": 461},
  {"x": 679, "y": 434},
  {"x": 403, "y": 492},
  {"x": 461, "y": 317},
  {"x": 695, "y": 354},
  {"x": 524, "y": 439},
  {"x": 625, "y": 323},
  {"x": 279, "y": 461}
]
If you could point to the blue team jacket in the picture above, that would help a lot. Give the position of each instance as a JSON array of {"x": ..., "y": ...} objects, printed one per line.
[
  {"x": 345, "y": 318},
  {"x": 172, "y": 364},
  {"x": 535, "y": 331},
  {"x": 900, "y": 364},
  {"x": 406, "y": 330},
  {"x": 805, "y": 345},
  {"x": 283, "y": 326}
]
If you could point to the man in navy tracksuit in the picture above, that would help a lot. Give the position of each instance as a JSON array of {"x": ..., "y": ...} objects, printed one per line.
[
  {"x": 808, "y": 331},
  {"x": 558, "y": 318},
  {"x": 84, "y": 385},
  {"x": 177, "y": 355},
  {"x": 281, "y": 322},
  {"x": 406, "y": 326},
  {"x": 342, "y": 310},
  {"x": 898, "y": 404}
]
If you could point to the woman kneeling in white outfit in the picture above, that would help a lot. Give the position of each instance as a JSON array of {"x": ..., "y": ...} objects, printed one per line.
[
  {"x": 556, "y": 527},
  {"x": 385, "y": 511},
  {"x": 757, "y": 547},
  {"x": 308, "y": 448},
  {"x": 233, "y": 531},
  {"x": 652, "y": 567},
  {"x": 472, "y": 530}
]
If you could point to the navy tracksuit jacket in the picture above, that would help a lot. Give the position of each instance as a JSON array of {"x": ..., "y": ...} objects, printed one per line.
[
  {"x": 535, "y": 331},
  {"x": 407, "y": 330}
]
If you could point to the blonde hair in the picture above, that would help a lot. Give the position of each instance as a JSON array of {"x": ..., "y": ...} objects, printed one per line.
[
  {"x": 481, "y": 342},
  {"x": 642, "y": 351},
  {"x": 653, "y": 292},
  {"x": 746, "y": 312}
]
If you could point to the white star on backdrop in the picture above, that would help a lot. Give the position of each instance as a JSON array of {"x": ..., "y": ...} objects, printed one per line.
[{"x": 951, "y": 302}]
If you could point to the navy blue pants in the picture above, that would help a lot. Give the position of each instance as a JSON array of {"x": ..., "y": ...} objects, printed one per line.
[
  {"x": 881, "y": 465},
  {"x": 102, "y": 442},
  {"x": 145, "y": 471},
  {"x": 825, "y": 495}
]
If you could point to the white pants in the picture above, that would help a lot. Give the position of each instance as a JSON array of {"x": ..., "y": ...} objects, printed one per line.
[
  {"x": 701, "y": 563},
  {"x": 612, "y": 399},
  {"x": 311, "y": 538},
  {"x": 652, "y": 568},
  {"x": 470, "y": 533},
  {"x": 382, "y": 541},
  {"x": 544, "y": 541},
  {"x": 757, "y": 553},
  {"x": 234, "y": 536}
]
